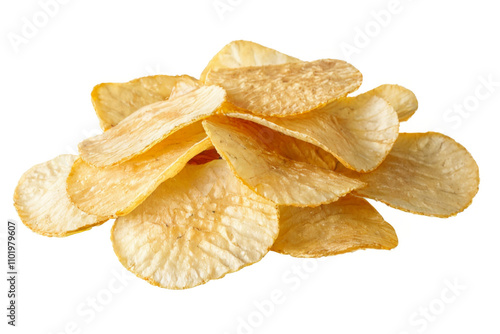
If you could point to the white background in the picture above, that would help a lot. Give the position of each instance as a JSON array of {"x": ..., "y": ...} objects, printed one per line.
[{"x": 441, "y": 50}]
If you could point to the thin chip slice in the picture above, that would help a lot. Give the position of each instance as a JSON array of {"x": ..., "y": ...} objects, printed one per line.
[
  {"x": 425, "y": 173},
  {"x": 286, "y": 89},
  {"x": 359, "y": 131},
  {"x": 205, "y": 156},
  {"x": 243, "y": 54},
  {"x": 149, "y": 125},
  {"x": 343, "y": 226},
  {"x": 117, "y": 190},
  {"x": 403, "y": 100},
  {"x": 43, "y": 204},
  {"x": 198, "y": 226},
  {"x": 115, "y": 101},
  {"x": 257, "y": 156}
]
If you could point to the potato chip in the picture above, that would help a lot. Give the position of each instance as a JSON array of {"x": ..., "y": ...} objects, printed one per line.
[
  {"x": 117, "y": 190},
  {"x": 205, "y": 156},
  {"x": 286, "y": 89},
  {"x": 403, "y": 100},
  {"x": 184, "y": 87},
  {"x": 115, "y": 101},
  {"x": 149, "y": 125},
  {"x": 359, "y": 131},
  {"x": 198, "y": 226},
  {"x": 425, "y": 173},
  {"x": 43, "y": 205},
  {"x": 258, "y": 159},
  {"x": 244, "y": 53},
  {"x": 343, "y": 226}
]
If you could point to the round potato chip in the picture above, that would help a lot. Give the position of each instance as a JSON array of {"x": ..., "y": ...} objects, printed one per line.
[
  {"x": 257, "y": 156},
  {"x": 243, "y": 54},
  {"x": 401, "y": 99},
  {"x": 343, "y": 226},
  {"x": 115, "y": 101},
  {"x": 43, "y": 204},
  {"x": 359, "y": 131},
  {"x": 149, "y": 125},
  {"x": 116, "y": 190},
  {"x": 286, "y": 89},
  {"x": 425, "y": 173},
  {"x": 198, "y": 226}
]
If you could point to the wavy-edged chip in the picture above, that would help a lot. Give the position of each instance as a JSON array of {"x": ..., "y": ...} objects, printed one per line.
[
  {"x": 343, "y": 226},
  {"x": 43, "y": 204},
  {"x": 425, "y": 173},
  {"x": 198, "y": 226},
  {"x": 359, "y": 131},
  {"x": 286, "y": 89},
  {"x": 244, "y": 53},
  {"x": 114, "y": 101},
  {"x": 403, "y": 100},
  {"x": 258, "y": 156},
  {"x": 117, "y": 190},
  {"x": 149, "y": 125}
]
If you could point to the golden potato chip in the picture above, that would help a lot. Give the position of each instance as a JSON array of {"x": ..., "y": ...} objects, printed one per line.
[
  {"x": 359, "y": 131},
  {"x": 343, "y": 226},
  {"x": 198, "y": 226},
  {"x": 243, "y": 54},
  {"x": 403, "y": 100},
  {"x": 43, "y": 204},
  {"x": 425, "y": 173},
  {"x": 117, "y": 190},
  {"x": 256, "y": 158},
  {"x": 205, "y": 156},
  {"x": 184, "y": 86},
  {"x": 286, "y": 89},
  {"x": 149, "y": 125},
  {"x": 115, "y": 101}
]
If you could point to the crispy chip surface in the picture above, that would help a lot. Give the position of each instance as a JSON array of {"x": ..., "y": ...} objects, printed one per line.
[
  {"x": 343, "y": 226},
  {"x": 117, "y": 190},
  {"x": 286, "y": 89},
  {"x": 205, "y": 156},
  {"x": 43, "y": 204},
  {"x": 115, "y": 101},
  {"x": 258, "y": 156},
  {"x": 195, "y": 227},
  {"x": 403, "y": 100},
  {"x": 149, "y": 125},
  {"x": 244, "y": 53},
  {"x": 425, "y": 173},
  {"x": 359, "y": 131}
]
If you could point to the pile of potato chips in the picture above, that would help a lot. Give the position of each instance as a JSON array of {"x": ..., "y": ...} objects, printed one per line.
[{"x": 264, "y": 152}]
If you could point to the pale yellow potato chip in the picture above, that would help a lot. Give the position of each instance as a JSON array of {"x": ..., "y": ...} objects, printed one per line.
[
  {"x": 115, "y": 101},
  {"x": 184, "y": 87},
  {"x": 244, "y": 53},
  {"x": 403, "y": 100},
  {"x": 286, "y": 89},
  {"x": 425, "y": 173},
  {"x": 343, "y": 226},
  {"x": 149, "y": 125},
  {"x": 117, "y": 190},
  {"x": 198, "y": 226},
  {"x": 258, "y": 156},
  {"x": 43, "y": 204},
  {"x": 359, "y": 131}
]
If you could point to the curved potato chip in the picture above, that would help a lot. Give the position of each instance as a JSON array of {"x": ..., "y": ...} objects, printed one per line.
[
  {"x": 43, "y": 205},
  {"x": 184, "y": 87},
  {"x": 359, "y": 131},
  {"x": 117, "y": 190},
  {"x": 258, "y": 160},
  {"x": 343, "y": 226},
  {"x": 205, "y": 156},
  {"x": 403, "y": 100},
  {"x": 286, "y": 89},
  {"x": 149, "y": 125},
  {"x": 425, "y": 173},
  {"x": 115, "y": 101},
  {"x": 243, "y": 54},
  {"x": 198, "y": 226}
]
